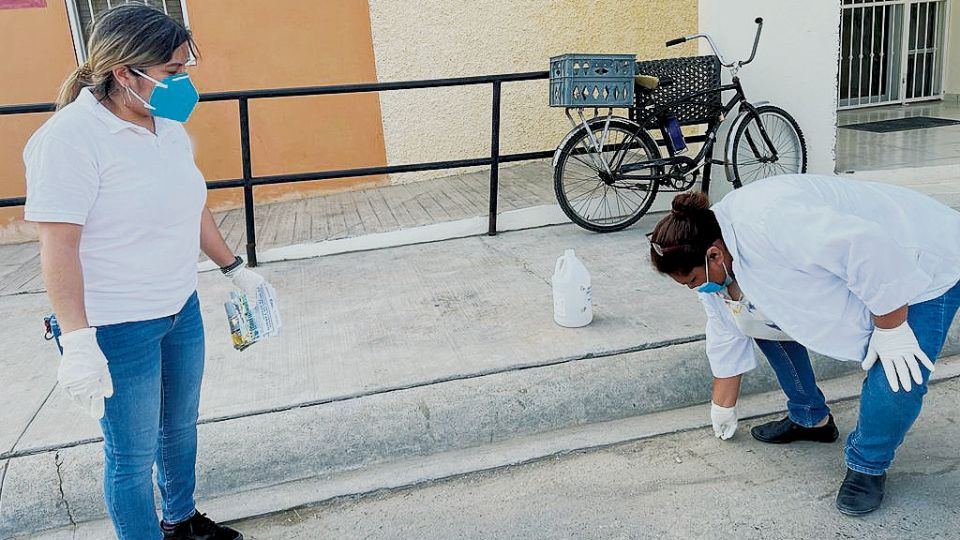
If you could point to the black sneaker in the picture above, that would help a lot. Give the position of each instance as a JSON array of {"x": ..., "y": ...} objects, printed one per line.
[
  {"x": 860, "y": 493},
  {"x": 200, "y": 527},
  {"x": 787, "y": 431}
]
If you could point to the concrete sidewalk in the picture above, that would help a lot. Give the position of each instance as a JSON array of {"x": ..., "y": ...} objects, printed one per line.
[
  {"x": 639, "y": 477},
  {"x": 683, "y": 486},
  {"x": 386, "y": 355}
]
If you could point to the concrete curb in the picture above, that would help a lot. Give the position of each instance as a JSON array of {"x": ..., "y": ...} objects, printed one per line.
[
  {"x": 317, "y": 443},
  {"x": 415, "y": 471}
]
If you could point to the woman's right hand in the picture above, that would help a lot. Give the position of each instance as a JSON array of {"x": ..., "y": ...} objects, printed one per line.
[
  {"x": 724, "y": 421},
  {"x": 723, "y": 406},
  {"x": 83, "y": 372}
]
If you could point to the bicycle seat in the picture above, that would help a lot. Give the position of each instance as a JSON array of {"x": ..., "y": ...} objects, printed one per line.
[{"x": 647, "y": 82}]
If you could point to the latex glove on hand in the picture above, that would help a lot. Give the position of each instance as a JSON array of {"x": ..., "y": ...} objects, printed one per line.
[
  {"x": 899, "y": 352},
  {"x": 246, "y": 280},
  {"x": 724, "y": 421},
  {"x": 83, "y": 372}
]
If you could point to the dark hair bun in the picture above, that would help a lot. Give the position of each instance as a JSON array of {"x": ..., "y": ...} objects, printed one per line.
[{"x": 690, "y": 203}]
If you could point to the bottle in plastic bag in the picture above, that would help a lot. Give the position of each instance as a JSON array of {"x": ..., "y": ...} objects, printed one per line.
[
  {"x": 572, "y": 294},
  {"x": 672, "y": 134}
]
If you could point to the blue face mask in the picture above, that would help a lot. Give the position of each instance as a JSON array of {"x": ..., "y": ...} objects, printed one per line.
[
  {"x": 710, "y": 287},
  {"x": 174, "y": 97}
]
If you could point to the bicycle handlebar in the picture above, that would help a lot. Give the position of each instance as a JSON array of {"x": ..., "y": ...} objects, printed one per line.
[{"x": 716, "y": 50}]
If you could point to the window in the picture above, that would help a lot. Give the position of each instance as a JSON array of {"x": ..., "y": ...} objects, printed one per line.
[{"x": 83, "y": 13}]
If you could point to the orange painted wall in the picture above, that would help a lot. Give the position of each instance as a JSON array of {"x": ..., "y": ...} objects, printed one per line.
[
  {"x": 244, "y": 44},
  {"x": 38, "y": 53}
]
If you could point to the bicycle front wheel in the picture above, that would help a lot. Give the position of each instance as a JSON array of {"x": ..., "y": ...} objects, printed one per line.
[
  {"x": 782, "y": 151},
  {"x": 592, "y": 187}
]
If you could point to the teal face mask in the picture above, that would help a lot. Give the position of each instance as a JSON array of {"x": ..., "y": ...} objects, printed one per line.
[
  {"x": 174, "y": 97},
  {"x": 710, "y": 287}
]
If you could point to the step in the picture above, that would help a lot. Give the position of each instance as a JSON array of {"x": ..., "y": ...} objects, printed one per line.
[
  {"x": 386, "y": 355},
  {"x": 417, "y": 470}
]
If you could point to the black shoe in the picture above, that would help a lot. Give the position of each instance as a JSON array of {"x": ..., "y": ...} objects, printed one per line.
[
  {"x": 860, "y": 493},
  {"x": 786, "y": 431},
  {"x": 200, "y": 527}
]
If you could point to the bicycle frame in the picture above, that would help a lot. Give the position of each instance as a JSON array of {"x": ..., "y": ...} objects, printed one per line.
[
  {"x": 703, "y": 158},
  {"x": 642, "y": 114}
]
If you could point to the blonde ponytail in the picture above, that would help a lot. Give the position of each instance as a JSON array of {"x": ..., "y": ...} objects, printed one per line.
[{"x": 71, "y": 87}]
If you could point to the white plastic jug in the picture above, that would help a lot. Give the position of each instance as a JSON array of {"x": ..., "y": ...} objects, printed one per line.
[{"x": 572, "y": 305}]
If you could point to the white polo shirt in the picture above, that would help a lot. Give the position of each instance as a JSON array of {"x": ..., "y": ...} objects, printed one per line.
[{"x": 139, "y": 197}]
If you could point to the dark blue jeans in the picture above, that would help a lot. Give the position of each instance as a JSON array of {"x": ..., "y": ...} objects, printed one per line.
[
  {"x": 885, "y": 415},
  {"x": 791, "y": 362},
  {"x": 157, "y": 366}
]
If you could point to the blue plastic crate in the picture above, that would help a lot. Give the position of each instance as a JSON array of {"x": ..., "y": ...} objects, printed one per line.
[{"x": 592, "y": 80}]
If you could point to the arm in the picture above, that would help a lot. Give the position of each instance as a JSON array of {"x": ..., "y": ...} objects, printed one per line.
[
  {"x": 63, "y": 182},
  {"x": 881, "y": 272},
  {"x": 891, "y": 320},
  {"x": 83, "y": 372},
  {"x": 212, "y": 242},
  {"x": 729, "y": 351},
  {"x": 62, "y": 274},
  {"x": 731, "y": 355},
  {"x": 726, "y": 390}
]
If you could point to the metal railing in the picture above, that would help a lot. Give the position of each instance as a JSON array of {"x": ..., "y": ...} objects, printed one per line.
[{"x": 249, "y": 180}]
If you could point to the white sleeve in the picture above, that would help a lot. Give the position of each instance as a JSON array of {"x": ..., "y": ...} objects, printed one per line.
[
  {"x": 882, "y": 273},
  {"x": 730, "y": 352},
  {"x": 62, "y": 182}
]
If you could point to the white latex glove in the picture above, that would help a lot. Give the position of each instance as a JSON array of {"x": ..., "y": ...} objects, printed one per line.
[
  {"x": 83, "y": 372},
  {"x": 247, "y": 281},
  {"x": 898, "y": 351},
  {"x": 724, "y": 421}
]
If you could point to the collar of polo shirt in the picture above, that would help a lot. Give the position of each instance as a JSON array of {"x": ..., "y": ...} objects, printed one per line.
[{"x": 115, "y": 124}]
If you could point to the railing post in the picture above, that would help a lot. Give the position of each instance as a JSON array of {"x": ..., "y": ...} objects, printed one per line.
[
  {"x": 495, "y": 157},
  {"x": 248, "y": 211}
]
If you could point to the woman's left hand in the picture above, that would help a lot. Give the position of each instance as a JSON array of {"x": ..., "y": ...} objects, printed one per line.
[
  {"x": 247, "y": 281},
  {"x": 899, "y": 354}
]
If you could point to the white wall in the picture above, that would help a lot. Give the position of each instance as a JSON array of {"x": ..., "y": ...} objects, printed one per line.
[
  {"x": 952, "y": 79},
  {"x": 795, "y": 67}
]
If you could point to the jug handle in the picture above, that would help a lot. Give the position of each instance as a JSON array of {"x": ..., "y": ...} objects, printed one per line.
[{"x": 560, "y": 261}]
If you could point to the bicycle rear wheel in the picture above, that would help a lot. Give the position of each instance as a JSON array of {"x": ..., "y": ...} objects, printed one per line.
[
  {"x": 589, "y": 182},
  {"x": 752, "y": 158}
]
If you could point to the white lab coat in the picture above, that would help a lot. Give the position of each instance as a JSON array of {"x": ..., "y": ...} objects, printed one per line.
[{"x": 819, "y": 254}]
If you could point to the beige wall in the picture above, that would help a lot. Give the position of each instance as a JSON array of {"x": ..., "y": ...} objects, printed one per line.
[{"x": 443, "y": 38}]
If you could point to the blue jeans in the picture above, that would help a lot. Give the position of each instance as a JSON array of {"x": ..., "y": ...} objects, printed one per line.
[
  {"x": 791, "y": 363},
  {"x": 886, "y": 416},
  {"x": 156, "y": 367}
]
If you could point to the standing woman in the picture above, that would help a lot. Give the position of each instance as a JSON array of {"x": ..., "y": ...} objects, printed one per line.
[
  {"x": 853, "y": 270},
  {"x": 120, "y": 208}
]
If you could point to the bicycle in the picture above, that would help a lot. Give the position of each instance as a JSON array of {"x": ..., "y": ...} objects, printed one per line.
[{"x": 616, "y": 157}]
